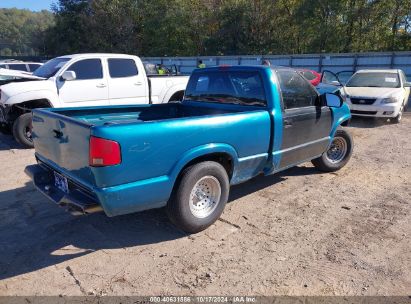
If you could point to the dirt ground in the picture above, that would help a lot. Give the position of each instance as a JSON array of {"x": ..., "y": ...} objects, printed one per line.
[{"x": 300, "y": 232}]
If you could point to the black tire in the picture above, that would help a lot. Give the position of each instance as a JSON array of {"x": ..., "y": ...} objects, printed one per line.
[
  {"x": 22, "y": 127},
  {"x": 179, "y": 208},
  {"x": 325, "y": 163}
]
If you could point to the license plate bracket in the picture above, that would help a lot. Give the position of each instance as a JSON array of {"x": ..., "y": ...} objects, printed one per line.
[{"x": 61, "y": 182}]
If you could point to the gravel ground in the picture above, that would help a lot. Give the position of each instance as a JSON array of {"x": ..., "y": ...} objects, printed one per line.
[{"x": 300, "y": 232}]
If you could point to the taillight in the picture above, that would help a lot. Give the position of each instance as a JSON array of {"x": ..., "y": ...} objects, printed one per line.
[{"x": 104, "y": 152}]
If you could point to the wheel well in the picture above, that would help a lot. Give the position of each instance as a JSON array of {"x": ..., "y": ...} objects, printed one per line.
[
  {"x": 177, "y": 96},
  {"x": 21, "y": 108},
  {"x": 345, "y": 122},
  {"x": 223, "y": 159}
]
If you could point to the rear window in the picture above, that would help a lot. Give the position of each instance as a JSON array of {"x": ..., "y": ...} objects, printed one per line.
[
  {"x": 119, "y": 67},
  {"x": 18, "y": 67},
  {"x": 229, "y": 87}
]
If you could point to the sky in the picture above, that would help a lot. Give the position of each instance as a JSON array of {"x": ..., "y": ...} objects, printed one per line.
[{"x": 34, "y": 5}]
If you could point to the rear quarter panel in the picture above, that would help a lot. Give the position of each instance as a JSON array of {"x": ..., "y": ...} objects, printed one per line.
[
  {"x": 153, "y": 154},
  {"x": 161, "y": 148}
]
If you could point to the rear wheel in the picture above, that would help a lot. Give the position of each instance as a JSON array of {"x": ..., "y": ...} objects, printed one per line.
[
  {"x": 337, "y": 155},
  {"x": 200, "y": 197},
  {"x": 22, "y": 128}
]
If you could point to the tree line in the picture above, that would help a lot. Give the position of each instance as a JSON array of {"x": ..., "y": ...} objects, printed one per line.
[
  {"x": 223, "y": 27},
  {"x": 23, "y": 32}
]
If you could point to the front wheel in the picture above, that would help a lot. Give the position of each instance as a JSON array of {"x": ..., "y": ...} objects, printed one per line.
[
  {"x": 200, "y": 197},
  {"x": 22, "y": 128},
  {"x": 337, "y": 155}
]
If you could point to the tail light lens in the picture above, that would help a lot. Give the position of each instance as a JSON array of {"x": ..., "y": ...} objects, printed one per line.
[{"x": 104, "y": 152}]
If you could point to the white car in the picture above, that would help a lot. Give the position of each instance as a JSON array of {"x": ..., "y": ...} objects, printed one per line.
[
  {"x": 83, "y": 80},
  {"x": 378, "y": 93},
  {"x": 20, "y": 65}
]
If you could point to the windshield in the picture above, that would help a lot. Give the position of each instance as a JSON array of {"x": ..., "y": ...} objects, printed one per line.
[
  {"x": 50, "y": 68},
  {"x": 245, "y": 88},
  {"x": 374, "y": 80}
]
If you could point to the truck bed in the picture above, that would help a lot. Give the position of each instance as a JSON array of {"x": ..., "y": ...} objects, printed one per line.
[{"x": 140, "y": 114}]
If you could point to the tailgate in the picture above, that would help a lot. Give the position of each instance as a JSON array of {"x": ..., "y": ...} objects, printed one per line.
[{"x": 63, "y": 143}]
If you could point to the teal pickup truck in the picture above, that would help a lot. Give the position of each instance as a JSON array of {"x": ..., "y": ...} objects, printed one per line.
[{"x": 233, "y": 124}]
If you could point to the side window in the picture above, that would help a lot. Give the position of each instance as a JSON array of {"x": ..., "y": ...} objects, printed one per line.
[
  {"x": 87, "y": 69},
  {"x": 119, "y": 67},
  {"x": 3, "y": 66},
  {"x": 295, "y": 90},
  {"x": 34, "y": 67},
  {"x": 18, "y": 67}
]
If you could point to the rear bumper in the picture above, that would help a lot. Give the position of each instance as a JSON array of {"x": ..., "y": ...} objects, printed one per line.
[
  {"x": 77, "y": 201},
  {"x": 117, "y": 200}
]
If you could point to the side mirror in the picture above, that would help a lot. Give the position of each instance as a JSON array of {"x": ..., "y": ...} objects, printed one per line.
[
  {"x": 69, "y": 75},
  {"x": 407, "y": 84},
  {"x": 333, "y": 100}
]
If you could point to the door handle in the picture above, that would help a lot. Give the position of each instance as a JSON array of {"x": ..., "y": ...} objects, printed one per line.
[
  {"x": 101, "y": 85},
  {"x": 138, "y": 83}
]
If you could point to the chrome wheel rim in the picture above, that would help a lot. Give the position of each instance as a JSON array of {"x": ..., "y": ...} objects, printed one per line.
[
  {"x": 337, "y": 150},
  {"x": 205, "y": 196}
]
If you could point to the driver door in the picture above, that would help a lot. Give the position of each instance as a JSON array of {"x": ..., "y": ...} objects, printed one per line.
[
  {"x": 90, "y": 88},
  {"x": 306, "y": 124}
]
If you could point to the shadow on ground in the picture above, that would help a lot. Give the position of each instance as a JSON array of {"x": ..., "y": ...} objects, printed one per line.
[
  {"x": 368, "y": 122},
  {"x": 7, "y": 142},
  {"x": 33, "y": 229}
]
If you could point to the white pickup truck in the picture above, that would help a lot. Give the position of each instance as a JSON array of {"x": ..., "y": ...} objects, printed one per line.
[{"x": 83, "y": 80}]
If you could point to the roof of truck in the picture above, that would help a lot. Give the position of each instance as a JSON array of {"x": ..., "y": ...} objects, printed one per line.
[
  {"x": 245, "y": 67},
  {"x": 96, "y": 55}
]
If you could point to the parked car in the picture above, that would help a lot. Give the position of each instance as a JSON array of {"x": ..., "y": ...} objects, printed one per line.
[
  {"x": 312, "y": 76},
  {"x": 378, "y": 93},
  {"x": 20, "y": 65},
  {"x": 233, "y": 124},
  {"x": 8, "y": 76},
  {"x": 83, "y": 80}
]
